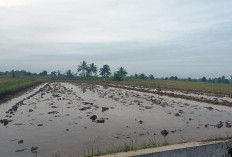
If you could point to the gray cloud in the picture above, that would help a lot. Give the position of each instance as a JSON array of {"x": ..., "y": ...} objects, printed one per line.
[{"x": 184, "y": 38}]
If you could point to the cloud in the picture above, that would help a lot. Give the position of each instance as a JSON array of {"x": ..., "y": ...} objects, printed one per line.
[{"x": 164, "y": 37}]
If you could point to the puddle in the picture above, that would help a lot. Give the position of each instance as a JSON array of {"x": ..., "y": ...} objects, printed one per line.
[{"x": 72, "y": 118}]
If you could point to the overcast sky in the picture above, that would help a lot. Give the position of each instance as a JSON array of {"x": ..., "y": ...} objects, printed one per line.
[{"x": 162, "y": 37}]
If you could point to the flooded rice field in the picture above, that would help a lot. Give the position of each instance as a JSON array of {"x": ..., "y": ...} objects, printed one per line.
[{"x": 74, "y": 118}]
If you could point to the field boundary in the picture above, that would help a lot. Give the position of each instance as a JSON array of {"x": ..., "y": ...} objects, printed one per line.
[
  {"x": 9, "y": 95},
  {"x": 219, "y": 148}
]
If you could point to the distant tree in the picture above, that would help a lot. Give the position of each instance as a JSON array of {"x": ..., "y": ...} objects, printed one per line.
[
  {"x": 203, "y": 79},
  {"x": 88, "y": 72},
  {"x": 92, "y": 69},
  {"x": 120, "y": 74},
  {"x": 54, "y": 75},
  {"x": 16, "y": 73},
  {"x": 224, "y": 80},
  {"x": 173, "y": 78},
  {"x": 122, "y": 71},
  {"x": 13, "y": 74},
  {"x": 69, "y": 74},
  {"x": 43, "y": 73},
  {"x": 219, "y": 80},
  {"x": 117, "y": 76},
  {"x": 105, "y": 71},
  {"x": 27, "y": 74},
  {"x": 151, "y": 77},
  {"x": 210, "y": 80},
  {"x": 142, "y": 76},
  {"x": 136, "y": 76},
  {"x": 59, "y": 73},
  {"x": 83, "y": 67},
  {"x": 189, "y": 79}
]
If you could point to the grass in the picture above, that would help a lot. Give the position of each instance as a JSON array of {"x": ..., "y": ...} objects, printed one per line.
[
  {"x": 121, "y": 148},
  {"x": 129, "y": 146},
  {"x": 218, "y": 138},
  {"x": 181, "y": 85},
  {"x": 132, "y": 146},
  {"x": 11, "y": 86}
]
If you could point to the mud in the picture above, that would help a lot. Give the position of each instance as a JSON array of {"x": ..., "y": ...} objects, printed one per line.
[
  {"x": 74, "y": 118},
  {"x": 217, "y": 99}
]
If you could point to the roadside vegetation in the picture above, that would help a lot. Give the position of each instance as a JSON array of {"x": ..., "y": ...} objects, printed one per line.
[{"x": 125, "y": 147}]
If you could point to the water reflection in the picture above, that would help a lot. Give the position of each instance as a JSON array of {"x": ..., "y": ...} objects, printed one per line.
[
  {"x": 105, "y": 87},
  {"x": 83, "y": 89},
  {"x": 63, "y": 120}
]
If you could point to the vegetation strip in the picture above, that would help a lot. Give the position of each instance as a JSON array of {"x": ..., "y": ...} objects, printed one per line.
[
  {"x": 10, "y": 88},
  {"x": 126, "y": 147},
  {"x": 151, "y": 143}
]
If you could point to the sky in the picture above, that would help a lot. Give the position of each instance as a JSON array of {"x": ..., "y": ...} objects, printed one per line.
[{"x": 183, "y": 38}]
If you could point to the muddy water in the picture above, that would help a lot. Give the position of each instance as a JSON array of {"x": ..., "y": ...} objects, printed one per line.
[
  {"x": 56, "y": 118},
  {"x": 206, "y": 96}
]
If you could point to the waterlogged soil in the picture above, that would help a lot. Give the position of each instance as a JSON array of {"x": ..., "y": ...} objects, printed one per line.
[
  {"x": 76, "y": 118},
  {"x": 214, "y": 98}
]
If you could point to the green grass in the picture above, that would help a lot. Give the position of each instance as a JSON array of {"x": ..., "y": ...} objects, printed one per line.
[
  {"x": 11, "y": 86},
  {"x": 127, "y": 146},
  {"x": 181, "y": 85}
]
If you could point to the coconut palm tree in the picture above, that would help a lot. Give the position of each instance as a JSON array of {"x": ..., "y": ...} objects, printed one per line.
[
  {"x": 88, "y": 71},
  {"x": 120, "y": 74},
  {"x": 83, "y": 67},
  {"x": 54, "y": 75},
  {"x": 105, "y": 70},
  {"x": 93, "y": 69},
  {"x": 122, "y": 71},
  {"x": 69, "y": 74}
]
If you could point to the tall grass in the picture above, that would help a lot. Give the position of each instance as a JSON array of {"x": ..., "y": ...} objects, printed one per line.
[{"x": 11, "y": 86}]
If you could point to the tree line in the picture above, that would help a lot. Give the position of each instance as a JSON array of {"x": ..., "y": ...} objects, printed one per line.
[{"x": 85, "y": 70}]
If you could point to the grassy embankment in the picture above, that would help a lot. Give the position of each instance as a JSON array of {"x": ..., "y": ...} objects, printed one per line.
[
  {"x": 12, "y": 86},
  {"x": 182, "y": 85}
]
